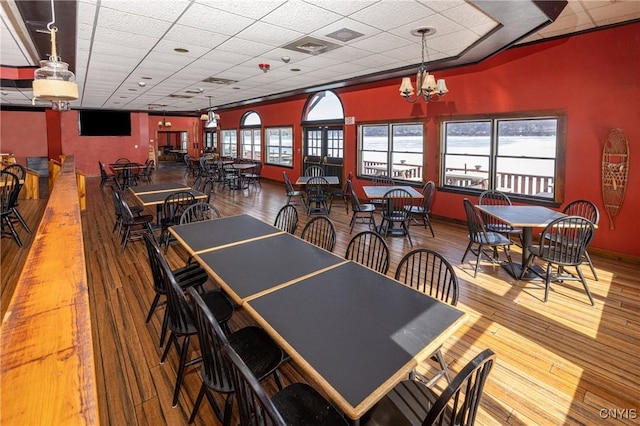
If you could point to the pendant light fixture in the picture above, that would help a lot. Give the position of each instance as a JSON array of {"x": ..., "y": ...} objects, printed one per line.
[
  {"x": 425, "y": 83},
  {"x": 211, "y": 117},
  {"x": 53, "y": 81}
]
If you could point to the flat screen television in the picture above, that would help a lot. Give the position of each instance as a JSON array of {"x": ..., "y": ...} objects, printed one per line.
[{"x": 104, "y": 123}]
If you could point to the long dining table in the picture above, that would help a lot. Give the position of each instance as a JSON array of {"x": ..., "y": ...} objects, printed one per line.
[
  {"x": 355, "y": 333},
  {"x": 527, "y": 218},
  {"x": 154, "y": 195}
]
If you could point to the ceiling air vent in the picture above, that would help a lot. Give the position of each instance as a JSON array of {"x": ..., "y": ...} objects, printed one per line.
[
  {"x": 216, "y": 80},
  {"x": 310, "y": 45},
  {"x": 175, "y": 95}
]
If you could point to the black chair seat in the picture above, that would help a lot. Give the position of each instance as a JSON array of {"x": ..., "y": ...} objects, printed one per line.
[
  {"x": 259, "y": 351},
  {"x": 491, "y": 238},
  {"x": 142, "y": 219},
  {"x": 300, "y": 404},
  {"x": 219, "y": 304}
]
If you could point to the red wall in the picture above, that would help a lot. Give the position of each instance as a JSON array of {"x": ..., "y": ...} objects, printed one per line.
[
  {"x": 593, "y": 77},
  {"x": 23, "y": 134}
]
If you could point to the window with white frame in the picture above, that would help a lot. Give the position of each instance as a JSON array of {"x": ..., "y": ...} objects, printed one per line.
[
  {"x": 279, "y": 146},
  {"x": 250, "y": 136},
  {"x": 229, "y": 145},
  {"x": 514, "y": 155},
  {"x": 393, "y": 149}
]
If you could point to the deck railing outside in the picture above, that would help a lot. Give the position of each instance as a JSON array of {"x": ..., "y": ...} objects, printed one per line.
[{"x": 517, "y": 183}]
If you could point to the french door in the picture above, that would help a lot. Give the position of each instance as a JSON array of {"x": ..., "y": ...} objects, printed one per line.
[{"x": 324, "y": 146}]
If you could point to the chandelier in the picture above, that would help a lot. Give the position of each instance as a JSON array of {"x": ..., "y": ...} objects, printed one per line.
[
  {"x": 53, "y": 81},
  {"x": 425, "y": 82},
  {"x": 164, "y": 124}
]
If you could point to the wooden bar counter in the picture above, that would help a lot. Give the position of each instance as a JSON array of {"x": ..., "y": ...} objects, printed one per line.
[{"x": 47, "y": 375}]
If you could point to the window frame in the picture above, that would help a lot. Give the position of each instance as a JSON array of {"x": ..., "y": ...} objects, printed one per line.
[
  {"x": 494, "y": 155},
  {"x": 390, "y": 150},
  {"x": 255, "y": 131},
  {"x": 224, "y": 144},
  {"x": 279, "y": 147}
]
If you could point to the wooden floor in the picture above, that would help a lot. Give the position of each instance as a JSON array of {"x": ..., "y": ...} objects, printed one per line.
[{"x": 559, "y": 363}]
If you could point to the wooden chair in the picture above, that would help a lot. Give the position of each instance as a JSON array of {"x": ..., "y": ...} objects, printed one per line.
[
  {"x": 180, "y": 319},
  {"x": 314, "y": 171},
  {"x": 252, "y": 344},
  {"x": 104, "y": 176},
  {"x": 497, "y": 198},
  {"x": 198, "y": 212},
  {"x": 429, "y": 272},
  {"x": 563, "y": 243},
  {"x": 134, "y": 227},
  {"x": 172, "y": 208},
  {"x": 297, "y": 404},
  {"x": 364, "y": 212},
  {"x": 321, "y": 232},
  {"x": 588, "y": 210},
  {"x": 8, "y": 184},
  {"x": 397, "y": 211},
  {"x": 14, "y": 214},
  {"x": 344, "y": 193},
  {"x": 318, "y": 200},
  {"x": 190, "y": 275},
  {"x": 291, "y": 192},
  {"x": 412, "y": 403},
  {"x": 481, "y": 238},
  {"x": 369, "y": 249},
  {"x": 287, "y": 219},
  {"x": 423, "y": 210}
]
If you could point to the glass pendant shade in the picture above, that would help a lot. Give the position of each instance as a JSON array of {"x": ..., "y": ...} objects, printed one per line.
[{"x": 54, "y": 82}]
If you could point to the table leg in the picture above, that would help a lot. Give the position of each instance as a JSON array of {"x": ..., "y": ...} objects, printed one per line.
[{"x": 527, "y": 239}]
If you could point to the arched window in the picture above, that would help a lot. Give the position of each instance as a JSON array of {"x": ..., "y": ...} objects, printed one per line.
[
  {"x": 323, "y": 121},
  {"x": 324, "y": 106},
  {"x": 250, "y": 129}
]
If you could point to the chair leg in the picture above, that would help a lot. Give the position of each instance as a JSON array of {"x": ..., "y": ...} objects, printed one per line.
[
  {"x": 428, "y": 222},
  {"x": 181, "y": 367},
  {"x": 475, "y": 272},
  {"x": 466, "y": 251},
  {"x": 584, "y": 283},
  {"x": 172, "y": 338},
  {"x": 26, "y": 227},
  {"x": 154, "y": 304},
  {"x": 547, "y": 283},
  {"x": 125, "y": 238},
  {"x": 15, "y": 235},
  {"x": 507, "y": 252},
  {"x": 593, "y": 270},
  {"x": 165, "y": 325}
]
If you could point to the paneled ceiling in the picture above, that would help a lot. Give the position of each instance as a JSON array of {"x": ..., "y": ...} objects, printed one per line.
[{"x": 174, "y": 54}]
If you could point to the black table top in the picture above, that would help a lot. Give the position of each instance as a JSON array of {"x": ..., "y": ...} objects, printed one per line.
[
  {"x": 355, "y": 331},
  {"x": 245, "y": 270},
  {"x": 331, "y": 180},
  {"x": 211, "y": 234},
  {"x": 153, "y": 198}
]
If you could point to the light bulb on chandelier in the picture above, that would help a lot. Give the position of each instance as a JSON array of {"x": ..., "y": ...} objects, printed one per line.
[{"x": 428, "y": 88}]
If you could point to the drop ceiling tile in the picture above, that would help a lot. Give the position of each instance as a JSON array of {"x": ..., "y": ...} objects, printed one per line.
[
  {"x": 131, "y": 24},
  {"x": 346, "y": 53},
  {"x": 86, "y": 14},
  {"x": 381, "y": 43},
  {"x": 195, "y": 36},
  {"x": 441, "y": 5},
  {"x": 168, "y": 47},
  {"x": 246, "y": 47},
  {"x": 165, "y": 10},
  {"x": 466, "y": 15},
  {"x": 249, "y": 8},
  {"x": 207, "y": 18},
  {"x": 343, "y": 7},
  {"x": 442, "y": 24},
  {"x": 305, "y": 19},
  {"x": 376, "y": 61},
  {"x": 111, "y": 36},
  {"x": 387, "y": 15},
  {"x": 269, "y": 34}
]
